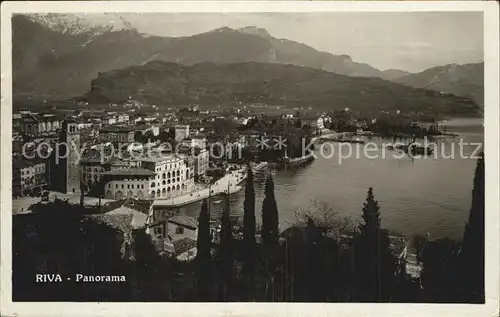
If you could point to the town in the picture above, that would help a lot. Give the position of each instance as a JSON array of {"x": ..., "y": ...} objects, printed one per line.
[
  {"x": 111, "y": 144},
  {"x": 132, "y": 152},
  {"x": 108, "y": 143}
]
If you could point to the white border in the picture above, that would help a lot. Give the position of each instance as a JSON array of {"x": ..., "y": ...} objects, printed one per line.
[{"x": 492, "y": 141}]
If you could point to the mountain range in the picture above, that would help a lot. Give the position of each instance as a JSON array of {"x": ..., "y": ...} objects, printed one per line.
[
  {"x": 165, "y": 83},
  {"x": 461, "y": 80},
  {"x": 61, "y": 62}
]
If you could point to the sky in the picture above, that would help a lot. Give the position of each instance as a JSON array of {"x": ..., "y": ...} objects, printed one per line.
[{"x": 410, "y": 41}]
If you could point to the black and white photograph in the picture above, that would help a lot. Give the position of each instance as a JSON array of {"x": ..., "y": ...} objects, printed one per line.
[{"x": 267, "y": 155}]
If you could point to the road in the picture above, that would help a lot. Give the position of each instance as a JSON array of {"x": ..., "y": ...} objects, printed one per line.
[
  {"x": 230, "y": 181},
  {"x": 20, "y": 205}
]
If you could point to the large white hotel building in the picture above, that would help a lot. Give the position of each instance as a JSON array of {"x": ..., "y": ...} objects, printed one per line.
[{"x": 157, "y": 176}]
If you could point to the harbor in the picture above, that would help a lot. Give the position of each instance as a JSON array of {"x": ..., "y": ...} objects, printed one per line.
[{"x": 342, "y": 185}]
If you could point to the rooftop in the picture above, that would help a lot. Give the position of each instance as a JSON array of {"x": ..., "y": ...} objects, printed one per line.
[
  {"x": 94, "y": 159},
  {"x": 122, "y": 223},
  {"x": 117, "y": 129},
  {"x": 122, "y": 218},
  {"x": 94, "y": 156},
  {"x": 22, "y": 163},
  {"x": 184, "y": 245},
  {"x": 158, "y": 157},
  {"x": 130, "y": 171},
  {"x": 41, "y": 117},
  {"x": 185, "y": 221}
]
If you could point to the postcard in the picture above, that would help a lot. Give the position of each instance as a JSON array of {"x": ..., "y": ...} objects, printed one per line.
[{"x": 250, "y": 158}]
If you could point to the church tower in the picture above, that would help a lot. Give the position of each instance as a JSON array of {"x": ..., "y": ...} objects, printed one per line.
[{"x": 67, "y": 167}]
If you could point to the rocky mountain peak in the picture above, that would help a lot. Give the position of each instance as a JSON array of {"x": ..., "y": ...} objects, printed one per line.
[{"x": 254, "y": 31}]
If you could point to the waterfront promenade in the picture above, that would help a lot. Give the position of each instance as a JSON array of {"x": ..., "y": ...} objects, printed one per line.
[{"x": 229, "y": 182}]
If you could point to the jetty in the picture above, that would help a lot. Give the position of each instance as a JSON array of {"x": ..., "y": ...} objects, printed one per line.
[
  {"x": 328, "y": 136},
  {"x": 287, "y": 161}
]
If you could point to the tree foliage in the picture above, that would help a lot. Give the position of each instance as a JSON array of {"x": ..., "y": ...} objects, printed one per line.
[
  {"x": 472, "y": 253},
  {"x": 373, "y": 261},
  {"x": 249, "y": 234},
  {"x": 226, "y": 255},
  {"x": 204, "y": 254},
  {"x": 269, "y": 216}
]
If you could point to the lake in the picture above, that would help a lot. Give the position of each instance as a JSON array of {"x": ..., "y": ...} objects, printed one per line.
[{"x": 421, "y": 195}]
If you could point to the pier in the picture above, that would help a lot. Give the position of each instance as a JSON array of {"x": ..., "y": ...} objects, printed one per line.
[{"x": 328, "y": 136}]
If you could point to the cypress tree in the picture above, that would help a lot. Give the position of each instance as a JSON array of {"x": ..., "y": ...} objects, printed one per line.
[
  {"x": 225, "y": 254},
  {"x": 269, "y": 217},
  {"x": 204, "y": 256},
  {"x": 249, "y": 235},
  {"x": 269, "y": 234},
  {"x": 374, "y": 263},
  {"x": 472, "y": 252},
  {"x": 371, "y": 214}
]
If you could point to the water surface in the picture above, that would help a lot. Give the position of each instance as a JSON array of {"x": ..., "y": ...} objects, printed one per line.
[{"x": 431, "y": 195}]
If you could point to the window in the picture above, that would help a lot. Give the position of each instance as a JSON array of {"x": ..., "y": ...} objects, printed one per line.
[
  {"x": 132, "y": 186},
  {"x": 128, "y": 186},
  {"x": 123, "y": 186},
  {"x": 179, "y": 230}
]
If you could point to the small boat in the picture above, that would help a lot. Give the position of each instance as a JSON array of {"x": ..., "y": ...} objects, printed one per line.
[
  {"x": 298, "y": 160},
  {"x": 258, "y": 167},
  {"x": 357, "y": 141},
  {"x": 218, "y": 201},
  {"x": 420, "y": 150},
  {"x": 353, "y": 141}
]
